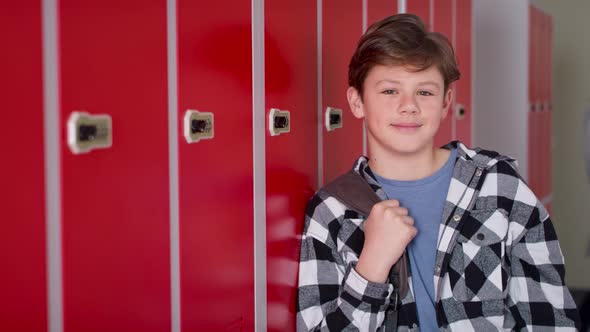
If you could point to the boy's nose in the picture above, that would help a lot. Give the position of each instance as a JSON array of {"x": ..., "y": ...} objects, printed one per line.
[{"x": 408, "y": 105}]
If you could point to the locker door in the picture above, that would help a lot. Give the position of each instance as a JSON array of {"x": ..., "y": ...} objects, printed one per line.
[
  {"x": 463, "y": 49},
  {"x": 537, "y": 131},
  {"x": 379, "y": 9},
  {"x": 549, "y": 38},
  {"x": 116, "y": 248},
  {"x": 22, "y": 240},
  {"x": 291, "y": 157},
  {"x": 532, "y": 133},
  {"x": 421, "y": 8},
  {"x": 543, "y": 138},
  {"x": 341, "y": 29},
  {"x": 443, "y": 22},
  {"x": 215, "y": 175}
]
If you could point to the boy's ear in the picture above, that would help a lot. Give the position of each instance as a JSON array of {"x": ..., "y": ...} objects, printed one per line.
[
  {"x": 355, "y": 102},
  {"x": 447, "y": 102}
]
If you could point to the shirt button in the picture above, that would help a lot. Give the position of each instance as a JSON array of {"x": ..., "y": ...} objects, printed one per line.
[
  {"x": 457, "y": 217},
  {"x": 478, "y": 172},
  {"x": 414, "y": 326}
]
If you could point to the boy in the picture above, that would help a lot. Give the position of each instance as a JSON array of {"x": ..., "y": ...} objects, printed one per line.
[{"x": 482, "y": 252}]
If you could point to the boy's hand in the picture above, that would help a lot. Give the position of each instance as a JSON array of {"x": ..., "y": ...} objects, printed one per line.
[{"x": 388, "y": 230}]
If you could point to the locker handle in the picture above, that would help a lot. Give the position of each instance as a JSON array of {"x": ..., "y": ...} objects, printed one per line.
[
  {"x": 279, "y": 121},
  {"x": 333, "y": 118},
  {"x": 460, "y": 111},
  {"x": 198, "y": 126},
  {"x": 87, "y": 132}
]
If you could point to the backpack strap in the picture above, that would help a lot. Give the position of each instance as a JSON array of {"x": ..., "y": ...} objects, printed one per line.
[{"x": 354, "y": 192}]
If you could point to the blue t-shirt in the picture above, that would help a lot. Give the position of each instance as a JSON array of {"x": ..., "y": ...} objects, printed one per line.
[{"x": 424, "y": 199}]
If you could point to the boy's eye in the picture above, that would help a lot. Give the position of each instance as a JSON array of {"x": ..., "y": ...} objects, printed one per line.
[
  {"x": 425, "y": 93},
  {"x": 389, "y": 91}
]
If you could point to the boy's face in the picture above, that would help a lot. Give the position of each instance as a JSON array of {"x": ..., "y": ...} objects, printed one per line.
[{"x": 402, "y": 109}]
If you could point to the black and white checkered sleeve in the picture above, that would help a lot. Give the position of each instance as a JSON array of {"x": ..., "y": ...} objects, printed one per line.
[
  {"x": 538, "y": 298},
  {"x": 332, "y": 296}
]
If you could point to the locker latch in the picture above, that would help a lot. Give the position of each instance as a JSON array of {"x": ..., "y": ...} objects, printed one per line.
[
  {"x": 279, "y": 122},
  {"x": 88, "y": 132},
  {"x": 333, "y": 118},
  {"x": 198, "y": 126},
  {"x": 460, "y": 111}
]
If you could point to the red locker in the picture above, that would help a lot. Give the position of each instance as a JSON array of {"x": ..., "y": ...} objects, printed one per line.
[
  {"x": 116, "y": 265},
  {"x": 532, "y": 130},
  {"x": 536, "y": 145},
  {"x": 550, "y": 104},
  {"x": 543, "y": 141},
  {"x": 291, "y": 157},
  {"x": 216, "y": 175},
  {"x": 379, "y": 9},
  {"x": 442, "y": 13},
  {"x": 22, "y": 240},
  {"x": 341, "y": 29},
  {"x": 547, "y": 67},
  {"x": 421, "y": 8},
  {"x": 539, "y": 100},
  {"x": 463, "y": 45}
]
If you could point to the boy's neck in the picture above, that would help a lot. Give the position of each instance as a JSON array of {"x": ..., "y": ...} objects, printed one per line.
[{"x": 406, "y": 167}]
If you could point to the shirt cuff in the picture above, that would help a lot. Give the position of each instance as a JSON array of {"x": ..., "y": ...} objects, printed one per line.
[{"x": 365, "y": 290}]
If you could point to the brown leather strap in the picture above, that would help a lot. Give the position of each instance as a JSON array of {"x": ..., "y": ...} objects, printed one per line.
[{"x": 354, "y": 192}]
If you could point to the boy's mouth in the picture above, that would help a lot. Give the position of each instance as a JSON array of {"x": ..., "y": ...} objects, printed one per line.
[{"x": 406, "y": 125}]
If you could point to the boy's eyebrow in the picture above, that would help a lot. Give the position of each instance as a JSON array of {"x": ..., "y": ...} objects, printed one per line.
[
  {"x": 398, "y": 82},
  {"x": 430, "y": 83},
  {"x": 388, "y": 81}
]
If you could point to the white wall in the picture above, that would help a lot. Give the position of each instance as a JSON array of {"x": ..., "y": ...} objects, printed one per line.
[
  {"x": 500, "y": 85},
  {"x": 571, "y": 97}
]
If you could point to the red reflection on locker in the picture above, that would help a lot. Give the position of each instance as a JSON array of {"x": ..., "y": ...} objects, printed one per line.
[
  {"x": 215, "y": 175},
  {"x": 463, "y": 86},
  {"x": 291, "y": 158},
  {"x": 116, "y": 245},
  {"x": 22, "y": 240},
  {"x": 341, "y": 29},
  {"x": 379, "y": 9},
  {"x": 443, "y": 23}
]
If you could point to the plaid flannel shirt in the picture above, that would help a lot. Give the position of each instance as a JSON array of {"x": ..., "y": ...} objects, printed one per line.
[{"x": 498, "y": 262}]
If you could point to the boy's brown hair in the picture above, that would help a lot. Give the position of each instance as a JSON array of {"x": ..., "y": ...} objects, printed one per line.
[{"x": 402, "y": 39}]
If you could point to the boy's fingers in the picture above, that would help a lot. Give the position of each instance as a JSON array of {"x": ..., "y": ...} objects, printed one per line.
[
  {"x": 408, "y": 220},
  {"x": 390, "y": 203},
  {"x": 397, "y": 211}
]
